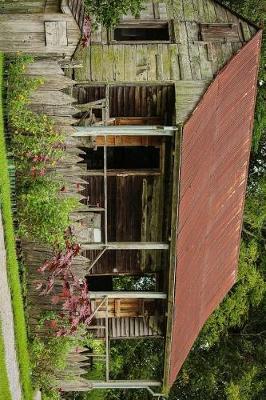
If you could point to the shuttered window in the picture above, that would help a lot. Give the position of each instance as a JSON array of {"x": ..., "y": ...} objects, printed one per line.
[{"x": 219, "y": 32}]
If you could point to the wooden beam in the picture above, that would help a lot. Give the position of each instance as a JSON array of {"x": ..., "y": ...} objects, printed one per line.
[
  {"x": 126, "y": 130},
  {"x": 125, "y": 246},
  {"x": 130, "y": 384},
  {"x": 83, "y": 385},
  {"x": 128, "y": 295}
]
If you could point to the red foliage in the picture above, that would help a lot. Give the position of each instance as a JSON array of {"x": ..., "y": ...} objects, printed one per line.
[
  {"x": 74, "y": 296},
  {"x": 87, "y": 27}
]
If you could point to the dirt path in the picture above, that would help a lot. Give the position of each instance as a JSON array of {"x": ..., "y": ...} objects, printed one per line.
[{"x": 6, "y": 316}]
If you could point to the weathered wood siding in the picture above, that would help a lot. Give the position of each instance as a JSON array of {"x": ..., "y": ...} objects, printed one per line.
[
  {"x": 196, "y": 54},
  {"x": 133, "y": 101},
  {"x": 29, "y": 6},
  {"x": 130, "y": 327},
  {"x": 44, "y": 35},
  {"x": 134, "y": 204}
]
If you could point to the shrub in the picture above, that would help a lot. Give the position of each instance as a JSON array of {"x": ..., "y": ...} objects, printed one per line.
[
  {"x": 48, "y": 359},
  {"x": 36, "y": 144},
  {"x": 109, "y": 12},
  {"x": 44, "y": 214}
]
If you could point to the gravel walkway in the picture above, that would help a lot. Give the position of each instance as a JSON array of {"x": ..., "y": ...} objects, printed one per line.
[{"x": 6, "y": 316}]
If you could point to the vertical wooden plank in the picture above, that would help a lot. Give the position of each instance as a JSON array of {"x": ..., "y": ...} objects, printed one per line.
[
  {"x": 166, "y": 61},
  {"x": 200, "y": 7},
  {"x": 178, "y": 10},
  {"x": 136, "y": 323},
  {"x": 141, "y": 327},
  {"x": 130, "y": 62},
  {"x": 96, "y": 62},
  {"x": 192, "y": 29},
  {"x": 184, "y": 62},
  {"x": 211, "y": 9},
  {"x": 163, "y": 11},
  {"x": 148, "y": 11},
  {"x": 245, "y": 30},
  {"x": 55, "y": 33},
  {"x": 221, "y": 13},
  {"x": 174, "y": 70},
  {"x": 137, "y": 102},
  {"x": 127, "y": 334},
  {"x": 143, "y": 95},
  {"x": 233, "y": 18},
  {"x": 131, "y": 327},
  {"x": 113, "y": 328},
  {"x": 118, "y": 326},
  {"x": 205, "y": 64},
  {"x": 159, "y": 66},
  {"x": 96, "y": 34},
  {"x": 189, "y": 14},
  {"x": 195, "y": 61},
  {"x": 119, "y": 62},
  {"x": 142, "y": 63},
  {"x": 156, "y": 12},
  {"x": 152, "y": 69}
]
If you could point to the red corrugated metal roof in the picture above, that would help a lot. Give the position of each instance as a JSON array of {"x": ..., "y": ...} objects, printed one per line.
[{"x": 214, "y": 165}]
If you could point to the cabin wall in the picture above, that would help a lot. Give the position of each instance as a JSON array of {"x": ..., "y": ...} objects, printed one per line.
[
  {"x": 40, "y": 34},
  {"x": 195, "y": 53},
  {"x": 29, "y": 6}
]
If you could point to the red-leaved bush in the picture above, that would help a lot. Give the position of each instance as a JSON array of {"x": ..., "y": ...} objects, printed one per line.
[{"x": 74, "y": 295}]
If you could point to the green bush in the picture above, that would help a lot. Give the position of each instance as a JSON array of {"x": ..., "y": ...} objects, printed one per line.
[
  {"x": 36, "y": 143},
  {"x": 43, "y": 213},
  {"x": 49, "y": 358},
  {"x": 109, "y": 12}
]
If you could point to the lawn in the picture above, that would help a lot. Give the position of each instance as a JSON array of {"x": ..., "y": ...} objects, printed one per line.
[{"x": 13, "y": 272}]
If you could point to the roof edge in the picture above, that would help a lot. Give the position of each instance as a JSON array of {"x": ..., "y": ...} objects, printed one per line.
[
  {"x": 166, "y": 383},
  {"x": 237, "y": 15}
]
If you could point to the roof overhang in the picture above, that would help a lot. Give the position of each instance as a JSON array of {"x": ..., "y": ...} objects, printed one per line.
[{"x": 209, "y": 185}]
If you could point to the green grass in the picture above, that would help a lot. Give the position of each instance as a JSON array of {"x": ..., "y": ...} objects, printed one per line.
[
  {"x": 12, "y": 264},
  {"x": 4, "y": 386}
]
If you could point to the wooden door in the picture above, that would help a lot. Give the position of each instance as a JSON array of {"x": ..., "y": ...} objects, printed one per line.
[{"x": 121, "y": 308}]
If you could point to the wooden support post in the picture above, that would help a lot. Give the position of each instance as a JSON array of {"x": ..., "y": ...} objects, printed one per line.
[
  {"x": 83, "y": 385},
  {"x": 107, "y": 340},
  {"x": 125, "y": 246},
  {"x": 96, "y": 260},
  {"x": 126, "y": 130},
  {"x": 124, "y": 384},
  {"x": 129, "y": 295},
  {"x": 105, "y": 193}
]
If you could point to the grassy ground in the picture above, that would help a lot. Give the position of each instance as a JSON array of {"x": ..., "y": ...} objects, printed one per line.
[
  {"x": 13, "y": 267},
  {"x": 4, "y": 386}
]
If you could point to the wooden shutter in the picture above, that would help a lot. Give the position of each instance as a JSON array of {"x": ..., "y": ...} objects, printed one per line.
[
  {"x": 219, "y": 32},
  {"x": 55, "y": 33}
]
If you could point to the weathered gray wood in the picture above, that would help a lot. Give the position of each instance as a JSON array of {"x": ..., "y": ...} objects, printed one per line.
[
  {"x": 43, "y": 68},
  {"x": 55, "y": 33},
  {"x": 51, "y": 98},
  {"x": 54, "y": 82}
]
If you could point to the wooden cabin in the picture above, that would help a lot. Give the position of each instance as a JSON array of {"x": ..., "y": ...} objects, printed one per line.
[
  {"x": 165, "y": 129},
  {"x": 161, "y": 140}
]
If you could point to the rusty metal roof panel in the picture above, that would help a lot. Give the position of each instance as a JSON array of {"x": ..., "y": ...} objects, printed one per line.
[{"x": 214, "y": 165}]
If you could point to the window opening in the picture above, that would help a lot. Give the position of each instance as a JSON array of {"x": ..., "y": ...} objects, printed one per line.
[
  {"x": 124, "y": 158},
  {"x": 142, "y": 32}
]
